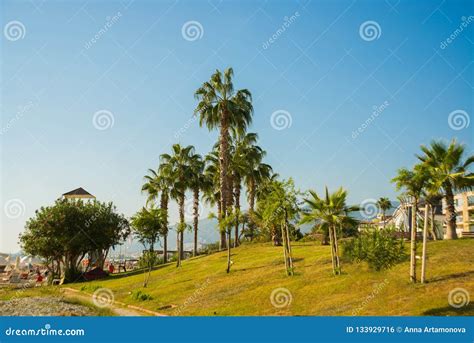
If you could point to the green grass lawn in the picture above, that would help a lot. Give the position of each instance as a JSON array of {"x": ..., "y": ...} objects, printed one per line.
[{"x": 201, "y": 286}]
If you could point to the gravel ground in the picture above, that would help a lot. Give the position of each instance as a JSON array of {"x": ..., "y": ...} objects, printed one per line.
[{"x": 42, "y": 306}]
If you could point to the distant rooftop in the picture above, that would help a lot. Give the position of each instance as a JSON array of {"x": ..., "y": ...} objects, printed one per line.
[{"x": 78, "y": 193}]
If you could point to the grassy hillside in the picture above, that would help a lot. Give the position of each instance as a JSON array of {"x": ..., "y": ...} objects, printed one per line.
[{"x": 201, "y": 286}]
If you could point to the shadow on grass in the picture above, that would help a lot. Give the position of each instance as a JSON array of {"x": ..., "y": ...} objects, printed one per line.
[
  {"x": 451, "y": 276},
  {"x": 451, "y": 311}
]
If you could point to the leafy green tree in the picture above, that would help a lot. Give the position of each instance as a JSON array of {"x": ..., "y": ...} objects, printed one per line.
[
  {"x": 148, "y": 225},
  {"x": 450, "y": 173},
  {"x": 64, "y": 233},
  {"x": 221, "y": 107},
  {"x": 332, "y": 214}
]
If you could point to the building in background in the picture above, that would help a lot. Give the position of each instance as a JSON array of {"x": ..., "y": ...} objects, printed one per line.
[
  {"x": 78, "y": 193},
  {"x": 464, "y": 207}
]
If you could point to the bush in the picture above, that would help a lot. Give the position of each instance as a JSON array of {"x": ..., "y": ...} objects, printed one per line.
[
  {"x": 141, "y": 296},
  {"x": 148, "y": 259},
  {"x": 90, "y": 288},
  {"x": 381, "y": 249},
  {"x": 209, "y": 248}
]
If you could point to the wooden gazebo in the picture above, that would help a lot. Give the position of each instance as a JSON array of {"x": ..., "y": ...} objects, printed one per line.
[{"x": 78, "y": 193}]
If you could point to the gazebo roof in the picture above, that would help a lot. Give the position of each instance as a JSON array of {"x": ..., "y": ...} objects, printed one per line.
[{"x": 78, "y": 193}]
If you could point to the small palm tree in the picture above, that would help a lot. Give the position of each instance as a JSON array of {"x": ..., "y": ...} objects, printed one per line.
[
  {"x": 331, "y": 213},
  {"x": 450, "y": 173},
  {"x": 413, "y": 181},
  {"x": 221, "y": 107},
  {"x": 178, "y": 167},
  {"x": 384, "y": 205},
  {"x": 158, "y": 184}
]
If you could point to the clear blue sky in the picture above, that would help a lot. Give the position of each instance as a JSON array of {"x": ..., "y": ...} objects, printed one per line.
[{"x": 143, "y": 70}]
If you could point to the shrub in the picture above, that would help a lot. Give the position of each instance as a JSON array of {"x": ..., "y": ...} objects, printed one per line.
[
  {"x": 90, "y": 288},
  {"x": 381, "y": 249},
  {"x": 148, "y": 259},
  {"x": 141, "y": 296}
]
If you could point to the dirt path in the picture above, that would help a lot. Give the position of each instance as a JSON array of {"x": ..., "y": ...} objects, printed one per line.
[{"x": 119, "y": 308}]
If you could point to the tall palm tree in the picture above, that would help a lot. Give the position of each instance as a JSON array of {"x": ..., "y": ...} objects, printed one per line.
[
  {"x": 413, "y": 181},
  {"x": 243, "y": 157},
  {"x": 212, "y": 191},
  {"x": 177, "y": 166},
  {"x": 331, "y": 213},
  {"x": 221, "y": 107},
  {"x": 158, "y": 184},
  {"x": 257, "y": 175},
  {"x": 451, "y": 174},
  {"x": 384, "y": 205},
  {"x": 196, "y": 183}
]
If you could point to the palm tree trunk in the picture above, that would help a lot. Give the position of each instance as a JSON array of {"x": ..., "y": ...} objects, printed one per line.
[
  {"x": 222, "y": 241},
  {"x": 165, "y": 248},
  {"x": 179, "y": 241},
  {"x": 433, "y": 224},
  {"x": 228, "y": 251},
  {"x": 336, "y": 252},
  {"x": 425, "y": 236},
  {"x": 224, "y": 160},
  {"x": 164, "y": 207},
  {"x": 288, "y": 245},
  {"x": 237, "y": 208},
  {"x": 450, "y": 214},
  {"x": 414, "y": 210},
  {"x": 196, "y": 219},
  {"x": 285, "y": 250},
  {"x": 331, "y": 242},
  {"x": 251, "y": 207}
]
